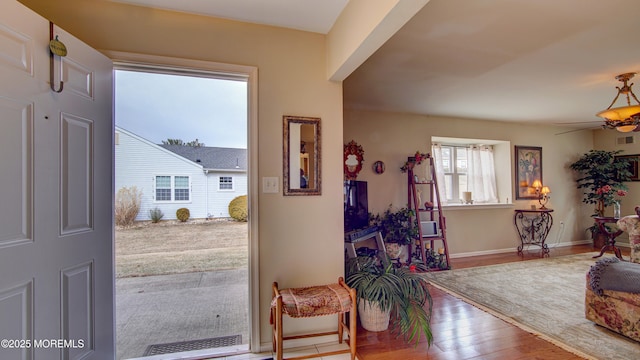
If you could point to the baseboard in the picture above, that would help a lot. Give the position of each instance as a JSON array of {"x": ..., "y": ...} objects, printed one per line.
[
  {"x": 571, "y": 243},
  {"x": 515, "y": 249}
]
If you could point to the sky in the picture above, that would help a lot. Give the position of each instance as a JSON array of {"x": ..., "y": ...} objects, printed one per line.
[{"x": 159, "y": 106}]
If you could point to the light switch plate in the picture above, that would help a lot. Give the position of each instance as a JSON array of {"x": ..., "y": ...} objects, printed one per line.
[{"x": 270, "y": 185}]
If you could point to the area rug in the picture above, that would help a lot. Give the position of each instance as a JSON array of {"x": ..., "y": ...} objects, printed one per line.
[
  {"x": 544, "y": 297},
  {"x": 191, "y": 345}
]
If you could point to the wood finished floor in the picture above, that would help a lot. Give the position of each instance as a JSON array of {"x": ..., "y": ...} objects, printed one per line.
[{"x": 462, "y": 331}]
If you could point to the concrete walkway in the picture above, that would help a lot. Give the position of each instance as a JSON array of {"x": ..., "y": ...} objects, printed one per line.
[{"x": 172, "y": 308}]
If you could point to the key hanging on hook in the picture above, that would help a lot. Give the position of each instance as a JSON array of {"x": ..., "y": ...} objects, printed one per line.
[{"x": 57, "y": 48}]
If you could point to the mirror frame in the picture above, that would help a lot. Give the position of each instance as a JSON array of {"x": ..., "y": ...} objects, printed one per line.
[{"x": 316, "y": 161}]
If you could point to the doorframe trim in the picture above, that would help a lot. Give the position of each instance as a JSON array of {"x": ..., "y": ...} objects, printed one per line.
[{"x": 231, "y": 71}]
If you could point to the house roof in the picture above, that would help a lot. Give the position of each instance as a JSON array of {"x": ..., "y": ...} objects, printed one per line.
[{"x": 212, "y": 158}]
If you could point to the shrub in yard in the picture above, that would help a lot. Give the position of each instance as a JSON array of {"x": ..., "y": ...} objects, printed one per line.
[
  {"x": 155, "y": 214},
  {"x": 127, "y": 205},
  {"x": 183, "y": 214},
  {"x": 238, "y": 208}
]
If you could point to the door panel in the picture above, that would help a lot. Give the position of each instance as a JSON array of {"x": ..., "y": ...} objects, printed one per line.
[
  {"x": 56, "y": 225},
  {"x": 77, "y": 79},
  {"x": 77, "y": 308},
  {"x": 16, "y": 317},
  {"x": 16, "y": 175},
  {"x": 17, "y": 50},
  {"x": 76, "y": 183}
]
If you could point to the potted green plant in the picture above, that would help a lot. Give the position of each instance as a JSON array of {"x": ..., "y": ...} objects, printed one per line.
[
  {"x": 601, "y": 178},
  {"x": 391, "y": 295},
  {"x": 398, "y": 228}
]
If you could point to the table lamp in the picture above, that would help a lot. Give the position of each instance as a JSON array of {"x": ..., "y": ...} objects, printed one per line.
[{"x": 544, "y": 197}]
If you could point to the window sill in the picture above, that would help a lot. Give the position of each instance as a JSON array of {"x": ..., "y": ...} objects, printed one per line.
[{"x": 477, "y": 206}]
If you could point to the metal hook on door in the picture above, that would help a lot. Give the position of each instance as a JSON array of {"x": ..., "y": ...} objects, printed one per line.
[{"x": 56, "y": 47}]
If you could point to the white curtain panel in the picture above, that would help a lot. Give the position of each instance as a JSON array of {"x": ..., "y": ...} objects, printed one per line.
[
  {"x": 481, "y": 175},
  {"x": 436, "y": 153}
]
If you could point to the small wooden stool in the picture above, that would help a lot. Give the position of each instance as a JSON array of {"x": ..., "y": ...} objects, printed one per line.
[{"x": 310, "y": 302}]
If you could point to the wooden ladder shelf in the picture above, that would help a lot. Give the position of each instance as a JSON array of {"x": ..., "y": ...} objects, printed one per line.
[{"x": 424, "y": 199}]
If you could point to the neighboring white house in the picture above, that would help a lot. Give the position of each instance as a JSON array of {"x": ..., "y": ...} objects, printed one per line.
[{"x": 201, "y": 179}]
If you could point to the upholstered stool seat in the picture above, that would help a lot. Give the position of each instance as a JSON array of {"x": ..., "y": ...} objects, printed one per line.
[{"x": 314, "y": 301}]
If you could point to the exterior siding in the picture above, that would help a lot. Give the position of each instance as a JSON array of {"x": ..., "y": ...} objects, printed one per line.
[
  {"x": 138, "y": 162},
  {"x": 219, "y": 199}
]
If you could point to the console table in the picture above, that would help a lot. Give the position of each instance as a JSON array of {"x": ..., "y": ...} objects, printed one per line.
[
  {"x": 533, "y": 227},
  {"x": 611, "y": 236}
]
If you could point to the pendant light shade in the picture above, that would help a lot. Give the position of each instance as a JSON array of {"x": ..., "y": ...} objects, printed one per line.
[{"x": 622, "y": 118}]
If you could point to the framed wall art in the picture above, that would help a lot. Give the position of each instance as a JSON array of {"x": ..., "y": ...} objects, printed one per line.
[
  {"x": 633, "y": 165},
  {"x": 378, "y": 167},
  {"x": 528, "y": 169}
]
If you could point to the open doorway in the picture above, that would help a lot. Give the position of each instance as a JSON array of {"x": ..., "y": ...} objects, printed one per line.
[{"x": 181, "y": 143}]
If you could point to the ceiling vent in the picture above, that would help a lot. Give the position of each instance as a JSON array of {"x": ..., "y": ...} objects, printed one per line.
[{"x": 623, "y": 140}]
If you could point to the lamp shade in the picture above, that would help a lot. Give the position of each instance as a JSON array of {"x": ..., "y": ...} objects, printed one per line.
[
  {"x": 619, "y": 113},
  {"x": 545, "y": 190},
  {"x": 536, "y": 184},
  {"x": 626, "y": 128}
]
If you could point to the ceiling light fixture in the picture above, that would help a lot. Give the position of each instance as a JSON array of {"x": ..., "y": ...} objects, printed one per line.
[{"x": 623, "y": 118}]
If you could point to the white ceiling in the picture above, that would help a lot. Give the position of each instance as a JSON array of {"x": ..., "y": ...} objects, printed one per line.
[
  {"x": 308, "y": 15},
  {"x": 514, "y": 60}
]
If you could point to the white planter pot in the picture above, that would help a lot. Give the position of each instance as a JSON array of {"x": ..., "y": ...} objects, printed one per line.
[{"x": 371, "y": 317}]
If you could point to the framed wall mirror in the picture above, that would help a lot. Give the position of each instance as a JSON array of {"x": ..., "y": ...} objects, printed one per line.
[{"x": 301, "y": 155}]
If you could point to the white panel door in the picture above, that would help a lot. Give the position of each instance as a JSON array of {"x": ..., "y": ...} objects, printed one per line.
[{"x": 56, "y": 186}]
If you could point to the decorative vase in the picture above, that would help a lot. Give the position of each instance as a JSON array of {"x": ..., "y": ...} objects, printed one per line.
[
  {"x": 393, "y": 250},
  {"x": 616, "y": 209},
  {"x": 600, "y": 207}
]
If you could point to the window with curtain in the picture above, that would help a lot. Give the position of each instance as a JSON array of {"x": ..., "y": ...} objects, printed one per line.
[{"x": 465, "y": 167}]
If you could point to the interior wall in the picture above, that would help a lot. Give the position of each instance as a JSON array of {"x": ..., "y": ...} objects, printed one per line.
[
  {"x": 300, "y": 237},
  {"x": 392, "y": 137}
]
